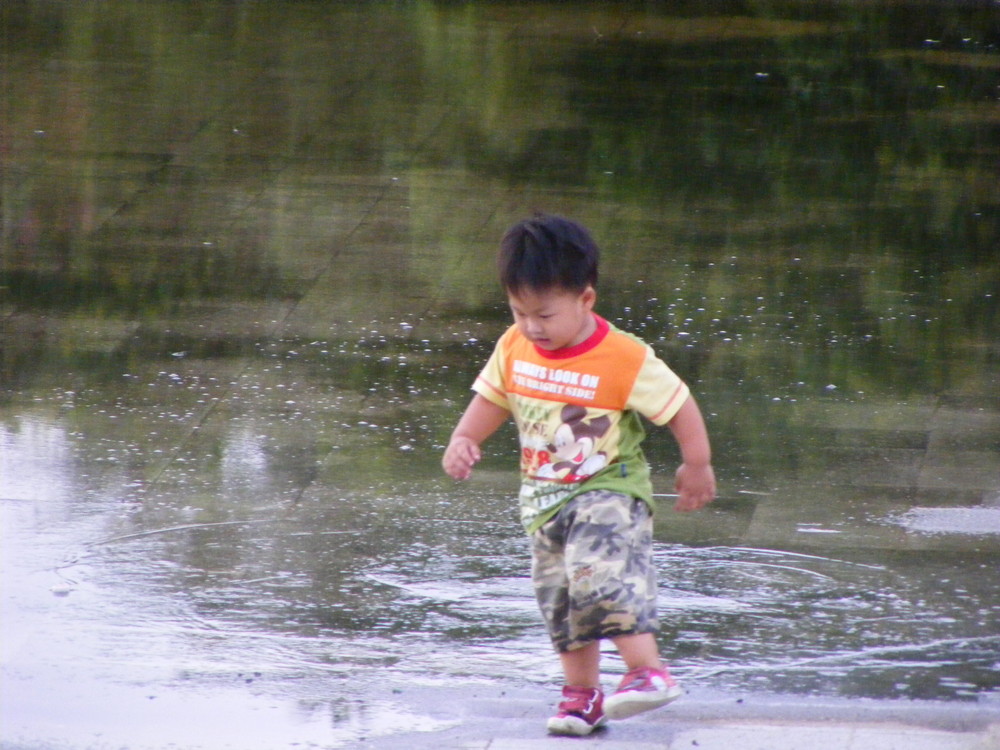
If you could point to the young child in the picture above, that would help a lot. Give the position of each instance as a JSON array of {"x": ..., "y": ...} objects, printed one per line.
[{"x": 576, "y": 385}]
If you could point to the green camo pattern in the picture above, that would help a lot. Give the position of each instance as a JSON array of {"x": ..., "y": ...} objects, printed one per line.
[{"x": 592, "y": 567}]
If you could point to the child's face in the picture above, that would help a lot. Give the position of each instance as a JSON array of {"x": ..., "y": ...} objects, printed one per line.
[{"x": 554, "y": 318}]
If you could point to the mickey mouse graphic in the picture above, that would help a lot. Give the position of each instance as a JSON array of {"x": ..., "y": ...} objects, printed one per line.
[{"x": 574, "y": 451}]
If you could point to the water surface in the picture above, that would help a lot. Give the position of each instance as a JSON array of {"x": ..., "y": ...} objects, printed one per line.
[{"x": 247, "y": 280}]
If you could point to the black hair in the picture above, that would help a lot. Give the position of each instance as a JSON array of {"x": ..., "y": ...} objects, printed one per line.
[{"x": 547, "y": 252}]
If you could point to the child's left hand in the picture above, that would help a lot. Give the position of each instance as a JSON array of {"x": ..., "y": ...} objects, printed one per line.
[{"x": 695, "y": 486}]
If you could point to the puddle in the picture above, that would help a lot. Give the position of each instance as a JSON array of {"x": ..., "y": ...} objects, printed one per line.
[
  {"x": 98, "y": 714},
  {"x": 794, "y": 622}
]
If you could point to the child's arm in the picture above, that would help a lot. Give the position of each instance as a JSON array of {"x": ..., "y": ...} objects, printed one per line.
[
  {"x": 695, "y": 479},
  {"x": 481, "y": 419}
]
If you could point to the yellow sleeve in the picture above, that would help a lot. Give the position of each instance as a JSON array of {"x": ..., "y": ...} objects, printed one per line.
[
  {"x": 490, "y": 382},
  {"x": 658, "y": 393}
]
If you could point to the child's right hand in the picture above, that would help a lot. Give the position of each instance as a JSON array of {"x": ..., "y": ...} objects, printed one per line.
[
  {"x": 460, "y": 456},
  {"x": 695, "y": 485}
]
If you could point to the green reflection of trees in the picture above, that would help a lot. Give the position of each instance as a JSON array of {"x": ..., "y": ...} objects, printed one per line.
[
  {"x": 816, "y": 179},
  {"x": 838, "y": 153}
]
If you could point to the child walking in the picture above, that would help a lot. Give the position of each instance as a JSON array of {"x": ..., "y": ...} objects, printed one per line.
[{"x": 576, "y": 386}]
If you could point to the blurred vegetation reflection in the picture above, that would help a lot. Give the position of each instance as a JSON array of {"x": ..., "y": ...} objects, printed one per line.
[{"x": 817, "y": 178}]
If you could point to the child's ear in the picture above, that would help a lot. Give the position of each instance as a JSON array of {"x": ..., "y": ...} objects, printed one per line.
[{"x": 589, "y": 297}]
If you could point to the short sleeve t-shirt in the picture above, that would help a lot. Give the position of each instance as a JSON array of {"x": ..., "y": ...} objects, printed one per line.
[{"x": 577, "y": 414}]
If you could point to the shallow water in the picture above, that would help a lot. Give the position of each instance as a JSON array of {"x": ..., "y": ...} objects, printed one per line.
[{"x": 247, "y": 280}]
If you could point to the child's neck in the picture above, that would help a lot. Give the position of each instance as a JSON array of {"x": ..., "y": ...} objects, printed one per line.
[{"x": 589, "y": 329}]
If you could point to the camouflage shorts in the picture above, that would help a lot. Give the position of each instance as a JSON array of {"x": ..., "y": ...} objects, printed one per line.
[{"x": 592, "y": 566}]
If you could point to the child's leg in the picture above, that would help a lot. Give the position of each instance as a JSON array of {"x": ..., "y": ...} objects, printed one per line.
[
  {"x": 594, "y": 578},
  {"x": 581, "y": 666},
  {"x": 581, "y": 710},
  {"x": 639, "y": 650}
]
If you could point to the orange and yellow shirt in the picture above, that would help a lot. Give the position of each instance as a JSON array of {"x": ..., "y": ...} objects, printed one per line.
[{"x": 577, "y": 414}]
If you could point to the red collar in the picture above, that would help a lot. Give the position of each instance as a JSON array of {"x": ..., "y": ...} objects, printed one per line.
[{"x": 603, "y": 327}]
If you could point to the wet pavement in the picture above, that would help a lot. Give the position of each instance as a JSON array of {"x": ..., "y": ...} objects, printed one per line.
[{"x": 247, "y": 279}]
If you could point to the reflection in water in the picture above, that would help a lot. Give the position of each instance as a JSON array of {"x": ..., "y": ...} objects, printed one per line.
[
  {"x": 975, "y": 521},
  {"x": 247, "y": 278}
]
